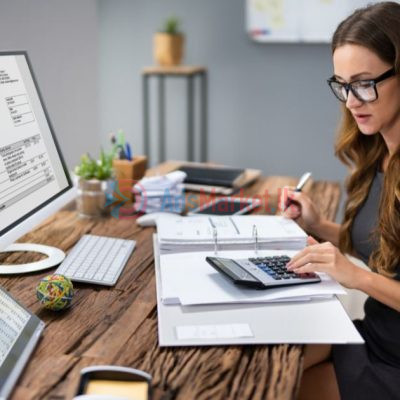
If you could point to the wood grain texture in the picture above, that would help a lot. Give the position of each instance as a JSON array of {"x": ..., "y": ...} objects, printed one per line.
[{"x": 119, "y": 325}]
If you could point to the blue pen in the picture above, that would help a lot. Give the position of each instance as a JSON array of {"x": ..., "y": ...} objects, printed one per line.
[{"x": 128, "y": 151}]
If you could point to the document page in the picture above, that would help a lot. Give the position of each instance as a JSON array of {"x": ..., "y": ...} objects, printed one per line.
[
  {"x": 220, "y": 331},
  {"x": 13, "y": 319},
  {"x": 188, "y": 279},
  {"x": 30, "y": 168}
]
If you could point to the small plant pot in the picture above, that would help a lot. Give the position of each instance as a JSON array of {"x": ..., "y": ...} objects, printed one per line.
[
  {"x": 92, "y": 196},
  {"x": 168, "y": 49}
]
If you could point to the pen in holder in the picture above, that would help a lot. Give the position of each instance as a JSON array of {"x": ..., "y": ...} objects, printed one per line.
[
  {"x": 215, "y": 236},
  {"x": 255, "y": 236}
]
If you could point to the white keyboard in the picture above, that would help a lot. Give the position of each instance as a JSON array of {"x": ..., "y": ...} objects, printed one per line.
[{"x": 97, "y": 259}]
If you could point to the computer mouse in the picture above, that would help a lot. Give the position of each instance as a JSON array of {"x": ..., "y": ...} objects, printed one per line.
[{"x": 151, "y": 219}]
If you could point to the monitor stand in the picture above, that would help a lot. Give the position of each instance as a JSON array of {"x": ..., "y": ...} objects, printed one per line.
[{"x": 55, "y": 256}]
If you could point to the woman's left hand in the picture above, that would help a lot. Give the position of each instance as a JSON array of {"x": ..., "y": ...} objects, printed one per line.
[{"x": 325, "y": 257}]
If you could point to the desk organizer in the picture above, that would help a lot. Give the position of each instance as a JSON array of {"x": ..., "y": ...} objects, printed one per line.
[{"x": 129, "y": 170}]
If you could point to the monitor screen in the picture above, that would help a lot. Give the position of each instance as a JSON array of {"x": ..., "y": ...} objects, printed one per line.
[{"x": 32, "y": 170}]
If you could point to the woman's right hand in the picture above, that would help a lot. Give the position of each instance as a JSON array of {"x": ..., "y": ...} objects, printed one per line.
[{"x": 301, "y": 209}]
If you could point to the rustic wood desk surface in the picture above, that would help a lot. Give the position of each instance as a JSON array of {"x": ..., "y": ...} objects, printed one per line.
[{"x": 118, "y": 325}]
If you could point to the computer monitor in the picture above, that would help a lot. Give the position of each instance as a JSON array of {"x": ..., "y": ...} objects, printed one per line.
[{"x": 34, "y": 181}]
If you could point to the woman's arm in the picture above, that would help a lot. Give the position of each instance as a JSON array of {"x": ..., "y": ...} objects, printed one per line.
[
  {"x": 305, "y": 213},
  {"x": 327, "y": 231},
  {"x": 381, "y": 288},
  {"x": 325, "y": 257}
]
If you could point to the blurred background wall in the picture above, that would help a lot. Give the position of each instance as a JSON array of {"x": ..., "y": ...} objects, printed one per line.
[
  {"x": 269, "y": 104},
  {"x": 61, "y": 38}
]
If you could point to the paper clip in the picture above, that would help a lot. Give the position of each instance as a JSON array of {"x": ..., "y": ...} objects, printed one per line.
[
  {"x": 255, "y": 236},
  {"x": 215, "y": 236}
]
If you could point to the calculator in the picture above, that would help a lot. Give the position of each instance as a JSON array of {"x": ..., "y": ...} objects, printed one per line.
[{"x": 261, "y": 272}]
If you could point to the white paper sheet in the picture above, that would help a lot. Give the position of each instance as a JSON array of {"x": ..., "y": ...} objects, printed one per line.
[
  {"x": 220, "y": 331},
  {"x": 317, "y": 321},
  {"x": 187, "y": 279}
]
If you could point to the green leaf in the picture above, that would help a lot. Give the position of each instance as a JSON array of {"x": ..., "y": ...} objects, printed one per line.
[
  {"x": 171, "y": 26},
  {"x": 90, "y": 168}
]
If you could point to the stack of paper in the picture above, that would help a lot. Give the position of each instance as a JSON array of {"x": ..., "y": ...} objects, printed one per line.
[
  {"x": 188, "y": 279},
  {"x": 162, "y": 193},
  {"x": 240, "y": 232}
]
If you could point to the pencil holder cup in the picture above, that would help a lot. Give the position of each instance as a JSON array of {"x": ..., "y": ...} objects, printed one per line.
[{"x": 128, "y": 172}]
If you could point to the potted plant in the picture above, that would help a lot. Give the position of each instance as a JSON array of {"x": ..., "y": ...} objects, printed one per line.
[
  {"x": 168, "y": 44},
  {"x": 93, "y": 184}
]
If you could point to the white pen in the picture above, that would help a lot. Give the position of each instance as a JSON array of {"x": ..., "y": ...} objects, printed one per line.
[{"x": 303, "y": 180}]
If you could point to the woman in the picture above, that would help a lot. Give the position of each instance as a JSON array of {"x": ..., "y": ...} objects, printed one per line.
[{"x": 366, "y": 59}]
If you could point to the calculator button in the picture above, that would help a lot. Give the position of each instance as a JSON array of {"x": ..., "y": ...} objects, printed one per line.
[{"x": 306, "y": 276}]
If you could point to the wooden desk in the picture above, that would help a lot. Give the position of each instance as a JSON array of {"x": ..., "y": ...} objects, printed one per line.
[{"x": 119, "y": 325}]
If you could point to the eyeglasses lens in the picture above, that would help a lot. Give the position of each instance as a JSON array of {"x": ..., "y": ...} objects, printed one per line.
[
  {"x": 338, "y": 90},
  {"x": 363, "y": 90}
]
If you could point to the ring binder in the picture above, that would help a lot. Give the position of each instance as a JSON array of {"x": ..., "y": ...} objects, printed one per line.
[
  {"x": 215, "y": 236},
  {"x": 183, "y": 234},
  {"x": 255, "y": 236}
]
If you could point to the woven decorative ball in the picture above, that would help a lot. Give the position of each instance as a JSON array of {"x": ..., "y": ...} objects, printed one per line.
[{"x": 55, "y": 292}]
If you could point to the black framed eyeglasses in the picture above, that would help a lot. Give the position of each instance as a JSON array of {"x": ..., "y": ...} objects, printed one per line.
[{"x": 364, "y": 90}]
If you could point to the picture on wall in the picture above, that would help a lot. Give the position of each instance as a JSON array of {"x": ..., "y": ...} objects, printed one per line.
[{"x": 297, "y": 20}]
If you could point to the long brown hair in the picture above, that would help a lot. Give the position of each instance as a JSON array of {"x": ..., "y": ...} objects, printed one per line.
[{"x": 375, "y": 27}]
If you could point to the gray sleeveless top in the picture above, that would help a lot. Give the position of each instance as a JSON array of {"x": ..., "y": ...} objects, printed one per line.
[{"x": 381, "y": 325}]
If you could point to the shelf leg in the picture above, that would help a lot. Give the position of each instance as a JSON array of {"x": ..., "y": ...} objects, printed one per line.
[
  {"x": 146, "y": 131},
  {"x": 203, "y": 118},
  {"x": 161, "y": 121},
  {"x": 190, "y": 120}
]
